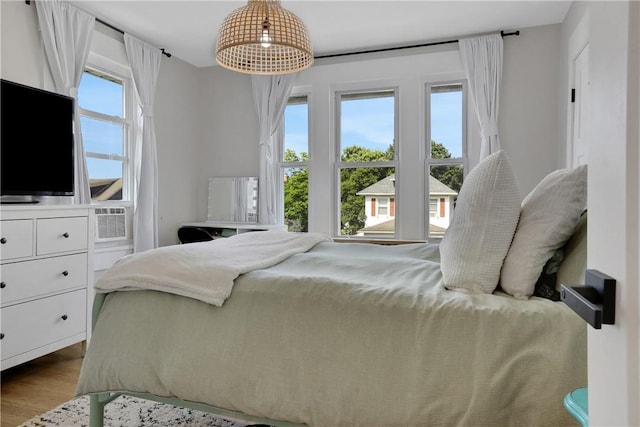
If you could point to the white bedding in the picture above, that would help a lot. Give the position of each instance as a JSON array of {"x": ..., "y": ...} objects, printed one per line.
[{"x": 205, "y": 271}]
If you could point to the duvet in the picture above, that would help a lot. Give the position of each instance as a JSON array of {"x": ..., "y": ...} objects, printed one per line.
[{"x": 346, "y": 334}]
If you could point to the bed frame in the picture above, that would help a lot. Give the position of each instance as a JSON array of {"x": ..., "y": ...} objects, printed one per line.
[{"x": 98, "y": 401}]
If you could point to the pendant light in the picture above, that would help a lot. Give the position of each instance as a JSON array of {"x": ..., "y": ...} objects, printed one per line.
[{"x": 263, "y": 38}]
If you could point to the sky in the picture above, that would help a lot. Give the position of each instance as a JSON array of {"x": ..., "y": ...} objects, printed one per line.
[
  {"x": 369, "y": 123},
  {"x": 104, "y": 96}
]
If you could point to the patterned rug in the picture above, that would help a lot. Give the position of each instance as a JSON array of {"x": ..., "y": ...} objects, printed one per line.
[{"x": 128, "y": 411}]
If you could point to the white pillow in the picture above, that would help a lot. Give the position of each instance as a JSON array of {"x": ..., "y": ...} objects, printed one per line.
[
  {"x": 548, "y": 218},
  {"x": 478, "y": 238}
]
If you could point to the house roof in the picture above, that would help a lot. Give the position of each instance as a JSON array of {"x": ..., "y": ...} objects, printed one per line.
[
  {"x": 389, "y": 227},
  {"x": 387, "y": 187},
  {"x": 384, "y": 187},
  {"x": 383, "y": 227},
  {"x": 106, "y": 189},
  {"x": 437, "y": 187}
]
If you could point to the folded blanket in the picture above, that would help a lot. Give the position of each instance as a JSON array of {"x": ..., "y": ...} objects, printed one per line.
[{"x": 206, "y": 270}]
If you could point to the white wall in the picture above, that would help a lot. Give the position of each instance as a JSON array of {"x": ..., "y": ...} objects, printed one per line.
[
  {"x": 22, "y": 56},
  {"x": 179, "y": 137},
  {"x": 177, "y": 111},
  {"x": 229, "y": 129},
  {"x": 528, "y": 105}
]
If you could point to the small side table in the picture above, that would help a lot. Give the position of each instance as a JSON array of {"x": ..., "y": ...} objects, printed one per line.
[{"x": 576, "y": 403}]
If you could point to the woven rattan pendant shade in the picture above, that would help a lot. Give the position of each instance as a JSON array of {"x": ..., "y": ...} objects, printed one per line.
[{"x": 263, "y": 38}]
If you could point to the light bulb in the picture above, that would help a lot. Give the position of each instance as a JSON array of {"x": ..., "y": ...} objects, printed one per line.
[{"x": 265, "y": 39}]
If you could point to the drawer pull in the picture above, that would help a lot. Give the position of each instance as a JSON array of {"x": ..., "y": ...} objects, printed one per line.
[
  {"x": 64, "y": 317},
  {"x": 65, "y": 235},
  {"x": 1, "y": 335},
  {"x": 65, "y": 273},
  {"x": 3, "y": 240},
  {"x": 3, "y": 285}
]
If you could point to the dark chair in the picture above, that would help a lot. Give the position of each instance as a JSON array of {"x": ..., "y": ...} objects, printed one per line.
[{"x": 193, "y": 234}]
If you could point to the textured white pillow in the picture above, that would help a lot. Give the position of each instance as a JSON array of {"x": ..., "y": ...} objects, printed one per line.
[
  {"x": 548, "y": 218},
  {"x": 478, "y": 238}
]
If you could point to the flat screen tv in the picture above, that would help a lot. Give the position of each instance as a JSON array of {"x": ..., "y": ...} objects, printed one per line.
[{"x": 37, "y": 157}]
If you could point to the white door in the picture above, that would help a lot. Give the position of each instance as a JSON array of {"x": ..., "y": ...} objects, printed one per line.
[
  {"x": 614, "y": 205},
  {"x": 580, "y": 107}
]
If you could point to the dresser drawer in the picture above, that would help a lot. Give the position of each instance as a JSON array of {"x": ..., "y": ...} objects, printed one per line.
[
  {"x": 61, "y": 235},
  {"x": 28, "y": 279},
  {"x": 17, "y": 239},
  {"x": 37, "y": 323}
]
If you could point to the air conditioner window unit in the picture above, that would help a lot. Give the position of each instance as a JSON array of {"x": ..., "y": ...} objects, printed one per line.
[{"x": 111, "y": 224}]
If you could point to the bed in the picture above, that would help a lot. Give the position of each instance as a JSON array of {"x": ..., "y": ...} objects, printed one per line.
[
  {"x": 342, "y": 334},
  {"x": 345, "y": 334}
]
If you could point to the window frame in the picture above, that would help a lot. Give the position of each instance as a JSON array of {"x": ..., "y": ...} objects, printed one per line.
[
  {"x": 453, "y": 161},
  {"x": 121, "y": 75},
  {"x": 282, "y": 165},
  {"x": 339, "y": 164}
]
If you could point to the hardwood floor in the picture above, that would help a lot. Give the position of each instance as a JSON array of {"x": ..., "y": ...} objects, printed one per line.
[{"x": 37, "y": 386}]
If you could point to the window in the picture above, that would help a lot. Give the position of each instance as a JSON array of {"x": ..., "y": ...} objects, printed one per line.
[
  {"x": 383, "y": 208},
  {"x": 105, "y": 108},
  {"x": 366, "y": 162},
  {"x": 446, "y": 137},
  {"x": 294, "y": 163},
  {"x": 433, "y": 207}
]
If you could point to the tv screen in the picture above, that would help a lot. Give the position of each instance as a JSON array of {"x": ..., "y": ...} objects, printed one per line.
[{"x": 37, "y": 157}]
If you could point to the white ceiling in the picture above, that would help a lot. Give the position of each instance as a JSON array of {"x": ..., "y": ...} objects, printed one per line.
[{"x": 188, "y": 29}]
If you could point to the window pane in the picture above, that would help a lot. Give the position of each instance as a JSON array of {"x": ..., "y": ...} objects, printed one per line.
[
  {"x": 101, "y": 95},
  {"x": 444, "y": 185},
  {"x": 367, "y": 126},
  {"x": 433, "y": 207},
  {"x": 105, "y": 178},
  {"x": 296, "y": 130},
  {"x": 296, "y": 199},
  {"x": 102, "y": 137},
  {"x": 363, "y": 191},
  {"x": 446, "y": 121}
]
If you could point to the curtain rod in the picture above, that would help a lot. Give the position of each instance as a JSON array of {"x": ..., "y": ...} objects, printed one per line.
[
  {"x": 167, "y": 54},
  {"x": 361, "y": 52}
]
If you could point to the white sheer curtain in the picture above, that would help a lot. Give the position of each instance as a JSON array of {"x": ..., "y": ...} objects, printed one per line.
[
  {"x": 66, "y": 33},
  {"x": 482, "y": 59},
  {"x": 270, "y": 94},
  {"x": 144, "y": 61}
]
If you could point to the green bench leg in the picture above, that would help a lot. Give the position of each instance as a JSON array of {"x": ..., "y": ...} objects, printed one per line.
[{"x": 96, "y": 411}]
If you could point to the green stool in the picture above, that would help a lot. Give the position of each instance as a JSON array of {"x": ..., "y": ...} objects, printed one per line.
[{"x": 576, "y": 403}]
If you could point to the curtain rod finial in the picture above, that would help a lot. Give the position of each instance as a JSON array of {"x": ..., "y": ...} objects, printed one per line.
[{"x": 515, "y": 33}]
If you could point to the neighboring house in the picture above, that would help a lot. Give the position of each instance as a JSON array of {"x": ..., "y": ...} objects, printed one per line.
[
  {"x": 106, "y": 189},
  {"x": 380, "y": 207}
]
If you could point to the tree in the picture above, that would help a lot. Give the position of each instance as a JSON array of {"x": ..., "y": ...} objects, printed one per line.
[
  {"x": 296, "y": 193},
  {"x": 449, "y": 175}
]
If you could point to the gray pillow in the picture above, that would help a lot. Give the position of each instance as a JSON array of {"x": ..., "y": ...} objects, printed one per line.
[{"x": 548, "y": 218}]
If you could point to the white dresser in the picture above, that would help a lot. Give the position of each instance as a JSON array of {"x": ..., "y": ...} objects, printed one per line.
[{"x": 46, "y": 266}]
